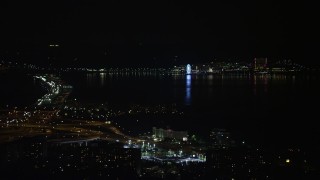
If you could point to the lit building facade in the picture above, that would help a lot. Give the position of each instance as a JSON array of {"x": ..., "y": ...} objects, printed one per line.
[
  {"x": 260, "y": 64},
  {"x": 162, "y": 133}
]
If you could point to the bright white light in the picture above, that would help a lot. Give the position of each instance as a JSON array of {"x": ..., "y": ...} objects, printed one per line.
[{"x": 188, "y": 69}]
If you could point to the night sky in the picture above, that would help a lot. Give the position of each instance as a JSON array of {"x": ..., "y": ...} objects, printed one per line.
[{"x": 158, "y": 32}]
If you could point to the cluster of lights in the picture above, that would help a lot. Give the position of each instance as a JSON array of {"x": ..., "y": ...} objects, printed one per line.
[{"x": 54, "y": 90}]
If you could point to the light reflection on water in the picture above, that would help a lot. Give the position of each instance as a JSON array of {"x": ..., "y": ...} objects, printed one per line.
[
  {"x": 188, "y": 90},
  {"x": 102, "y": 78},
  {"x": 90, "y": 79}
]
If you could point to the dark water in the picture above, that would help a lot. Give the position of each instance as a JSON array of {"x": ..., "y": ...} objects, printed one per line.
[
  {"x": 267, "y": 109},
  {"x": 273, "y": 110},
  {"x": 18, "y": 89}
]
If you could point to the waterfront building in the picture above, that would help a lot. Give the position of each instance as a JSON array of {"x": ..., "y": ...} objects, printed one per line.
[{"x": 260, "y": 64}]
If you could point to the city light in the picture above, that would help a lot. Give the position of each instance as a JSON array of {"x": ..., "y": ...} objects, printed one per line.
[{"x": 188, "y": 69}]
